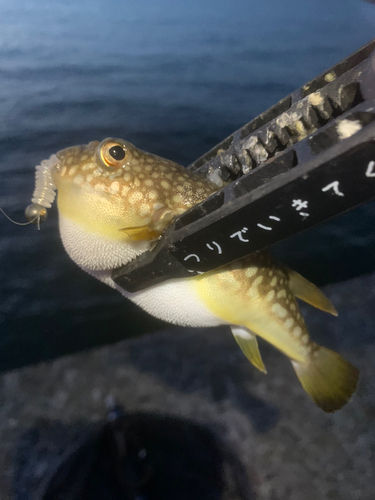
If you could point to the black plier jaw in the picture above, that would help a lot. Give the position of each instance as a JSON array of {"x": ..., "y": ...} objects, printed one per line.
[{"x": 308, "y": 158}]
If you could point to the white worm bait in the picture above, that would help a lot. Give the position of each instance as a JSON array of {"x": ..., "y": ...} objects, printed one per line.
[{"x": 44, "y": 193}]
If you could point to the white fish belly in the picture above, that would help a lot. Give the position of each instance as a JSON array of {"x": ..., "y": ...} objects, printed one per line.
[{"x": 174, "y": 301}]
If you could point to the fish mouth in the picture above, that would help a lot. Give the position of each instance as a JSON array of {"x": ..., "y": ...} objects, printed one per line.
[{"x": 46, "y": 181}]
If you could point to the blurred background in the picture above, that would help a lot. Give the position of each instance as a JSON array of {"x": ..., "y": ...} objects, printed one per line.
[{"x": 174, "y": 78}]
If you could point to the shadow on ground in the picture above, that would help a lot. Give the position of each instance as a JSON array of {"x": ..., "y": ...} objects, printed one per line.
[
  {"x": 138, "y": 456},
  {"x": 227, "y": 375}
]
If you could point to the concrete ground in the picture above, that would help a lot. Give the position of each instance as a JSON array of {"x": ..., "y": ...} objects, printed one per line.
[{"x": 287, "y": 447}]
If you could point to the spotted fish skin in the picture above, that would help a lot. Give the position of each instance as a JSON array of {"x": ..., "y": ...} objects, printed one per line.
[
  {"x": 146, "y": 191},
  {"x": 115, "y": 200},
  {"x": 261, "y": 297}
]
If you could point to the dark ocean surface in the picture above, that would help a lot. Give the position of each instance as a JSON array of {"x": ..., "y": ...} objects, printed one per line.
[{"x": 174, "y": 78}]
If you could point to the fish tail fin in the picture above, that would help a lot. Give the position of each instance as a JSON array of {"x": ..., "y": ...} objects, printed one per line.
[
  {"x": 328, "y": 378},
  {"x": 308, "y": 292}
]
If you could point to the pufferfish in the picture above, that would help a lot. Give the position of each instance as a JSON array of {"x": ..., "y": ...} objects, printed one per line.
[{"x": 114, "y": 202}]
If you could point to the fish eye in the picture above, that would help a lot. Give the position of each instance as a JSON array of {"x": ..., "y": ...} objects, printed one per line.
[
  {"x": 111, "y": 153},
  {"x": 117, "y": 152}
]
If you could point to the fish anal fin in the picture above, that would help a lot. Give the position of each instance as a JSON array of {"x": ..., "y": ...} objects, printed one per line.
[
  {"x": 328, "y": 378},
  {"x": 141, "y": 233},
  {"x": 249, "y": 346},
  {"x": 308, "y": 292}
]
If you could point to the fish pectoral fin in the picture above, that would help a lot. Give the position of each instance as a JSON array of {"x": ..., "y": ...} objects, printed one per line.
[
  {"x": 141, "y": 233},
  {"x": 328, "y": 378},
  {"x": 249, "y": 346},
  {"x": 308, "y": 292},
  {"x": 162, "y": 217}
]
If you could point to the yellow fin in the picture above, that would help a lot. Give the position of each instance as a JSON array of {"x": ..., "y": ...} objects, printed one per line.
[
  {"x": 160, "y": 220},
  {"x": 328, "y": 378},
  {"x": 139, "y": 233},
  {"x": 308, "y": 292},
  {"x": 249, "y": 346}
]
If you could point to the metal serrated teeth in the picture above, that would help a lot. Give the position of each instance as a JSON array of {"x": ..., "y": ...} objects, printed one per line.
[
  {"x": 231, "y": 162},
  {"x": 281, "y": 134},
  {"x": 346, "y": 96},
  {"x": 321, "y": 105},
  {"x": 287, "y": 129},
  {"x": 244, "y": 158},
  {"x": 308, "y": 115},
  {"x": 269, "y": 140},
  {"x": 249, "y": 153},
  {"x": 256, "y": 149},
  {"x": 293, "y": 124}
]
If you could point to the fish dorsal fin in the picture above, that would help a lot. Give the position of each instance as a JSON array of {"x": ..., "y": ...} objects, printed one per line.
[
  {"x": 308, "y": 292},
  {"x": 249, "y": 346}
]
